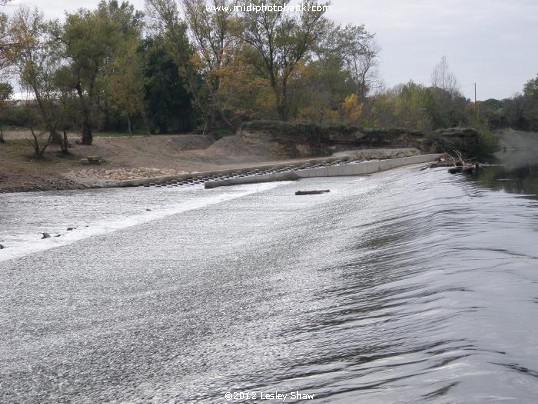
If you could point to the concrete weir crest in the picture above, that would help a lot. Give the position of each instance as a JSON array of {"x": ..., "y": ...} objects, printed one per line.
[{"x": 346, "y": 169}]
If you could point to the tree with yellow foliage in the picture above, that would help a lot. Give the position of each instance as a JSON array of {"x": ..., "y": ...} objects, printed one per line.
[{"x": 351, "y": 110}]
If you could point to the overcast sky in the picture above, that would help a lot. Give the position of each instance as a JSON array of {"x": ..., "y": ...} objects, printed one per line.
[{"x": 490, "y": 42}]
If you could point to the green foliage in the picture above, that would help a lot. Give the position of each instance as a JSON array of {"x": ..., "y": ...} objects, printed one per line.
[
  {"x": 488, "y": 143},
  {"x": 519, "y": 112},
  {"x": 217, "y": 69},
  {"x": 355, "y": 51},
  {"x": 171, "y": 32},
  {"x": 37, "y": 57},
  {"x": 95, "y": 40},
  {"x": 530, "y": 90},
  {"x": 167, "y": 100},
  {"x": 6, "y": 91}
]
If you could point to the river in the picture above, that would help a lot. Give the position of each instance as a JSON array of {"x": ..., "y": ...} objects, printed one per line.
[{"x": 401, "y": 287}]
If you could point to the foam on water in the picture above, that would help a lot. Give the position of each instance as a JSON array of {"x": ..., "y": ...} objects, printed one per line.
[{"x": 25, "y": 216}]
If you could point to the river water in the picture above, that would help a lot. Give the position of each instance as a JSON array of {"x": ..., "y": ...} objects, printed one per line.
[{"x": 401, "y": 287}]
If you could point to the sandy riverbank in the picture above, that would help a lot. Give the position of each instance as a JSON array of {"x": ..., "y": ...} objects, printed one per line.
[{"x": 137, "y": 158}]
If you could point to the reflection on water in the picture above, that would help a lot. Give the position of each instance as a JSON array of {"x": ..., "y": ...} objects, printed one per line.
[
  {"x": 517, "y": 172},
  {"x": 521, "y": 180}
]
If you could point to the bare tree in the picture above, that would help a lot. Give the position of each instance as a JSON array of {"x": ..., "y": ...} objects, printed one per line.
[{"x": 443, "y": 78}]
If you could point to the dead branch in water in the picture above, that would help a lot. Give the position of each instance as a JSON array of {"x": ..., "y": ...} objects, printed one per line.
[{"x": 456, "y": 163}]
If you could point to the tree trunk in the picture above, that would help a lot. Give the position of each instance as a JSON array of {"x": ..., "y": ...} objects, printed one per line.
[
  {"x": 282, "y": 108},
  {"x": 87, "y": 135},
  {"x": 39, "y": 149},
  {"x": 147, "y": 128},
  {"x": 129, "y": 125},
  {"x": 281, "y": 94},
  {"x": 65, "y": 144},
  {"x": 107, "y": 115}
]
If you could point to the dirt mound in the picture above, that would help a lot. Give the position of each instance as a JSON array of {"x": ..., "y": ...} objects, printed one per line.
[{"x": 236, "y": 150}]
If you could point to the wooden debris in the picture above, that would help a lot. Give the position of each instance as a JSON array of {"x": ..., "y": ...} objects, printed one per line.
[{"x": 313, "y": 192}]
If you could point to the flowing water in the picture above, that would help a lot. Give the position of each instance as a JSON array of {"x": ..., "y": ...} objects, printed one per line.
[{"x": 405, "y": 286}]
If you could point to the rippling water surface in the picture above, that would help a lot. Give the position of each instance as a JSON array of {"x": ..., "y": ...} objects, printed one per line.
[{"x": 406, "y": 286}]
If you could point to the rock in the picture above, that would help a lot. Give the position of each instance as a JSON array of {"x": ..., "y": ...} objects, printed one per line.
[
  {"x": 93, "y": 160},
  {"x": 2, "y": 247},
  {"x": 71, "y": 228},
  {"x": 45, "y": 235}
]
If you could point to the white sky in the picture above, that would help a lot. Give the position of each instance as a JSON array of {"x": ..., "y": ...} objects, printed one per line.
[{"x": 490, "y": 42}]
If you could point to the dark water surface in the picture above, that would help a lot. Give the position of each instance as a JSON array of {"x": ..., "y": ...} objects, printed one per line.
[
  {"x": 522, "y": 180},
  {"x": 406, "y": 286}
]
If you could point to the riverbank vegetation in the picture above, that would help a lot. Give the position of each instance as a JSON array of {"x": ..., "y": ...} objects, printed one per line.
[{"x": 208, "y": 67}]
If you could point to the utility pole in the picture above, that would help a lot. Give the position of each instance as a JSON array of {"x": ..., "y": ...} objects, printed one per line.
[{"x": 475, "y": 103}]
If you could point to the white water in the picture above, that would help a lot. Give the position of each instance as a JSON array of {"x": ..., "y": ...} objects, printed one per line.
[
  {"x": 403, "y": 287},
  {"x": 24, "y": 217}
]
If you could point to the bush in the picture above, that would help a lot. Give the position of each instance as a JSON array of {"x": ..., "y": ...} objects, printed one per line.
[{"x": 488, "y": 143}]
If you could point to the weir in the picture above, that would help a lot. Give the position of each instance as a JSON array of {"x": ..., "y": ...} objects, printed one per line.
[{"x": 346, "y": 169}]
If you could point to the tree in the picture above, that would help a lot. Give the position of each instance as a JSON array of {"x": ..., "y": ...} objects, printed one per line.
[
  {"x": 166, "y": 97},
  {"x": 323, "y": 87},
  {"x": 37, "y": 57},
  {"x": 358, "y": 53},
  {"x": 445, "y": 104},
  {"x": 280, "y": 41},
  {"x": 443, "y": 78},
  {"x": 167, "y": 25},
  {"x": 530, "y": 112},
  {"x": 409, "y": 109},
  {"x": 491, "y": 111},
  {"x": 345, "y": 64},
  {"x": 4, "y": 42},
  {"x": 351, "y": 109},
  {"x": 530, "y": 90},
  {"x": 93, "y": 41},
  {"x": 126, "y": 83},
  {"x": 249, "y": 97},
  {"x": 211, "y": 30},
  {"x": 6, "y": 91}
]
